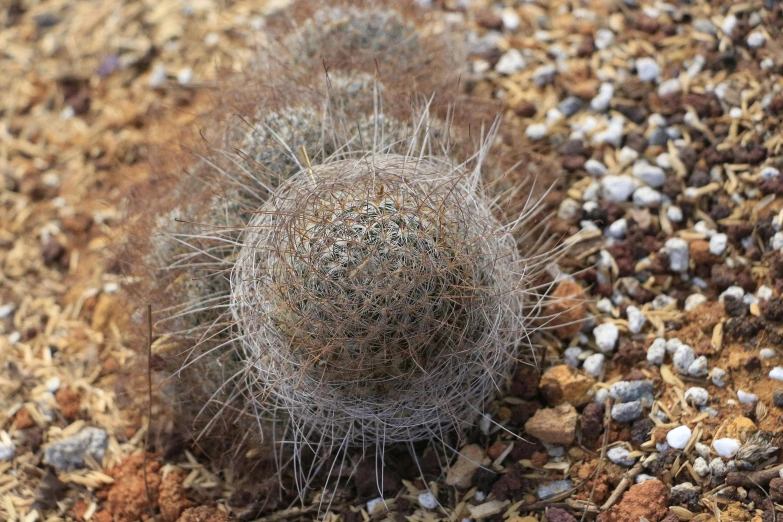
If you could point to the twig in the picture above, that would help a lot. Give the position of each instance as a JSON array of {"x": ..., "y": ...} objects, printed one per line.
[
  {"x": 604, "y": 443},
  {"x": 753, "y": 478},
  {"x": 149, "y": 406},
  {"x": 627, "y": 479}
]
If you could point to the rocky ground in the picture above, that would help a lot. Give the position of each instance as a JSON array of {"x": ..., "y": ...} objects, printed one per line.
[{"x": 660, "y": 392}]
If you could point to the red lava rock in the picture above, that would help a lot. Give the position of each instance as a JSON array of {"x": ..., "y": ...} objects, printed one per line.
[
  {"x": 559, "y": 515},
  {"x": 539, "y": 459},
  {"x": 203, "y": 514},
  {"x": 776, "y": 489},
  {"x": 496, "y": 450},
  {"x": 592, "y": 421},
  {"x": 172, "y": 496},
  {"x": 69, "y": 402},
  {"x": 647, "y": 500},
  {"x": 126, "y": 501},
  {"x": 23, "y": 419},
  {"x": 700, "y": 252}
]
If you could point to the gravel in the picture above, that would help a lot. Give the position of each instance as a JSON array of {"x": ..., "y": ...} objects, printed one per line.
[
  {"x": 627, "y": 411},
  {"x": 718, "y": 244},
  {"x": 595, "y": 168},
  {"x": 697, "y": 395},
  {"x": 68, "y": 454},
  {"x": 683, "y": 358},
  {"x": 693, "y": 301},
  {"x": 620, "y": 455},
  {"x": 647, "y": 197},
  {"x": 776, "y": 373},
  {"x": 544, "y": 75},
  {"x": 594, "y": 365},
  {"x": 746, "y": 397},
  {"x": 699, "y": 367},
  {"x": 536, "y": 131},
  {"x": 726, "y": 447},
  {"x": 428, "y": 501},
  {"x": 511, "y": 62},
  {"x": 717, "y": 376},
  {"x": 618, "y": 189},
  {"x": 656, "y": 352},
  {"x": 647, "y": 69},
  {"x": 636, "y": 319},
  {"x": 629, "y": 391},
  {"x": 551, "y": 489},
  {"x": 649, "y": 174},
  {"x": 606, "y": 335},
  {"x": 678, "y": 437},
  {"x": 678, "y": 254}
]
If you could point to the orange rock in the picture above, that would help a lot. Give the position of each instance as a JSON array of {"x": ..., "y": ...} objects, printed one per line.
[
  {"x": 567, "y": 311},
  {"x": 575, "y": 387},
  {"x": 23, "y": 419},
  {"x": 740, "y": 428},
  {"x": 642, "y": 501},
  {"x": 69, "y": 402},
  {"x": 553, "y": 425},
  {"x": 127, "y": 499},
  {"x": 497, "y": 449},
  {"x": 172, "y": 498},
  {"x": 700, "y": 252},
  {"x": 203, "y": 514}
]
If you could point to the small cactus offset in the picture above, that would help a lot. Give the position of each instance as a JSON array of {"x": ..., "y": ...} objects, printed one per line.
[{"x": 327, "y": 276}]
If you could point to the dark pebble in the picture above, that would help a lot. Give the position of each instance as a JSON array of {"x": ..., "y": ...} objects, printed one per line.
[
  {"x": 573, "y": 163},
  {"x": 777, "y": 397},
  {"x": 699, "y": 178},
  {"x": 636, "y": 141},
  {"x": 572, "y": 148},
  {"x": 658, "y": 137}
]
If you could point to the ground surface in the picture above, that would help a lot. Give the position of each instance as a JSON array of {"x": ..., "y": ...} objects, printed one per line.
[{"x": 665, "y": 118}]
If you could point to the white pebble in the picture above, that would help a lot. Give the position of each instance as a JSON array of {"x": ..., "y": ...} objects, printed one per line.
[
  {"x": 428, "y": 500},
  {"x": 764, "y": 292},
  {"x": 674, "y": 214},
  {"x": 718, "y": 244},
  {"x": 185, "y": 76},
  {"x": 53, "y": 384},
  {"x": 606, "y": 335},
  {"x": 672, "y": 345},
  {"x": 617, "y": 189},
  {"x": 776, "y": 373},
  {"x": 718, "y": 467},
  {"x": 603, "y": 99},
  {"x": 656, "y": 352},
  {"x": 620, "y": 455},
  {"x": 627, "y": 154},
  {"x": 664, "y": 160},
  {"x": 768, "y": 173},
  {"x": 647, "y": 69},
  {"x": 698, "y": 368},
  {"x": 737, "y": 292},
  {"x": 571, "y": 356},
  {"x": 536, "y": 131},
  {"x": 728, "y": 25},
  {"x": 595, "y": 168},
  {"x": 647, "y": 197},
  {"x": 510, "y": 19},
  {"x": 594, "y": 365},
  {"x": 777, "y": 241},
  {"x": 726, "y": 447},
  {"x": 767, "y": 353},
  {"x": 683, "y": 358},
  {"x": 702, "y": 450},
  {"x": 701, "y": 467},
  {"x": 569, "y": 209},
  {"x": 636, "y": 319},
  {"x": 678, "y": 254},
  {"x": 717, "y": 375},
  {"x": 603, "y": 38},
  {"x": 617, "y": 229},
  {"x": 373, "y": 503},
  {"x": 671, "y": 86},
  {"x": 756, "y": 39},
  {"x": 746, "y": 397},
  {"x": 699, "y": 396},
  {"x": 158, "y": 76},
  {"x": 678, "y": 437},
  {"x": 612, "y": 135},
  {"x": 650, "y": 174},
  {"x": 544, "y": 75},
  {"x": 735, "y": 113},
  {"x": 512, "y": 61},
  {"x": 693, "y": 301}
]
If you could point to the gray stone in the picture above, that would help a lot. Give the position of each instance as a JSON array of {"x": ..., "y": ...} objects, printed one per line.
[
  {"x": 629, "y": 391},
  {"x": 619, "y": 455},
  {"x": 68, "y": 454},
  {"x": 551, "y": 489},
  {"x": 571, "y": 106},
  {"x": 627, "y": 411}
]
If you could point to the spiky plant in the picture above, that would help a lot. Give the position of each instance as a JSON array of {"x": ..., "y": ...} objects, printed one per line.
[{"x": 328, "y": 278}]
